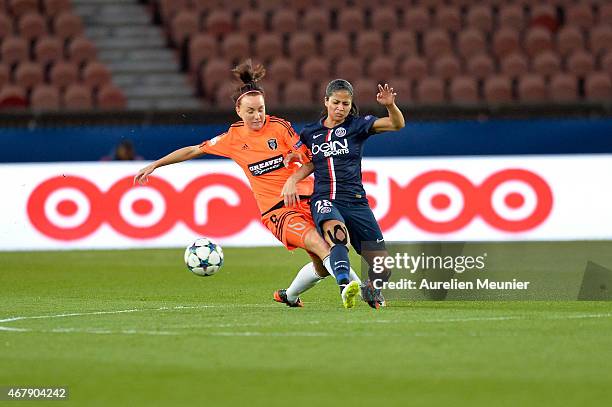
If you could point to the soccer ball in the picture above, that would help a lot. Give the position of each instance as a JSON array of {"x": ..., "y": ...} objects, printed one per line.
[{"x": 204, "y": 257}]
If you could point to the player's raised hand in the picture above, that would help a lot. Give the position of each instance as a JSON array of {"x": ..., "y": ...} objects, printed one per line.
[
  {"x": 385, "y": 95},
  {"x": 143, "y": 175}
]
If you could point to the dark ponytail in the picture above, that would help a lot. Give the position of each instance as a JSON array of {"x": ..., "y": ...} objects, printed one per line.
[{"x": 248, "y": 77}]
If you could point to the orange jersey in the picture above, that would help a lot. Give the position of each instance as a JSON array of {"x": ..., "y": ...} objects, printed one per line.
[{"x": 260, "y": 154}]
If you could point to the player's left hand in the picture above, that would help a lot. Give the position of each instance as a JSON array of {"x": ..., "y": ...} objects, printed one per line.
[
  {"x": 385, "y": 95},
  {"x": 290, "y": 193},
  {"x": 293, "y": 157}
]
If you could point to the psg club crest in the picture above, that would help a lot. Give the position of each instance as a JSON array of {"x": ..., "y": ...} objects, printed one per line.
[
  {"x": 340, "y": 132},
  {"x": 272, "y": 144}
]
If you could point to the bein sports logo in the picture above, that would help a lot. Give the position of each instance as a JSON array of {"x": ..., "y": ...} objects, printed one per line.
[
  {"x": 71, "y": 208},
  {"x": 328, "y": 148}
]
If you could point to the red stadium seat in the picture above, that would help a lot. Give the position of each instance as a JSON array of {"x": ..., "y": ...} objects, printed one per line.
[
  {"x": 111, "y": 97},
  {"x": 67, "y": 25},
  {"x": 511, "y": 16},
  {"x": 223, "y": 95},
  {"x": 5, "y": 75},
  {"x": 563, "y": 88},
  {"x": 284, "y": 20},
  {"x": 168, "y": 8},
  {"x": 471, "y": 42},
  {"x": 336, "y": 45},
  {"x": 315, "y": 68},
  {"x": 430, "y": 90},
  {"x": 403, "y": 88},
  {"x": 448, "y": 18},
  {"x": 14, "y": 50},
  {"x": 580, "y": 15},
  {"x": 235, "y": 46},
  {"x": 580, "y": 63},
  {"x": 251, "y": 21},
  {"x": 32, "y": 26},
  {"x": 498, "y": 89},
  {"x": 6, "y": 26},
  {"x": 282, "y": 70},
  {"x": 604, "y": 16},
  {"x": 298, "y": 94},
  {"x": 417, "y": 19},
  {"x": 537, "y": 39},
  {"x": 382, "y": 69},
  {"x": 365, "y": 91},
  {"x": 505, "y": 41},
  {"x": 45, "y": 97},
  {"x": 606, "y": 62},
  {"x": 268, "y": 46},
  {"x": 480, "y": 66},
  {"x": 77, "y": 97},
  {"x": 601, "y": 38},
  {"x": 202, "y": 47},
  {"x": 598, "y": 87},
  {"x": 547, "y": 63},
  {"x": 21, "y": 7},
  {"x": 271, "y": 93},
  {"x": 436, "y": 42},
  {"x": 302, "y": 45},
  {"x": 532, "y": 88},
  {"x": 402, "y": 44},
  {"x": 54, "y": 7},
  {"x": 96, "y": 74},
  {"x": 183, "y": 25},
  {"x": 544, "y": 16},
  {"x": 446, "y": 66},
  {"x": 514, "y": 65},
  {"x": 48, "y": 50},
  {"x": 215, "y": 71},
  {"x": 29, "y": 74},
  {"x": 480, "y": 17},
  {"x": 414, "y": 68},
  {"x": 369, "y": 44},
  {"x": 350, "y": 68},
  {"x": 569, "y": 39},
  {"x": 384, "y": 19},
  {"x": 317, "y": 20},
  {"x": 219, "y": 22},
  {"x": 63, "y": 73},
  {"x": 463, "y": 89},
  {"x": 12, "y": 97},
  {"x": 81, "y": 50},
  {"x": 351, "y": 20}
]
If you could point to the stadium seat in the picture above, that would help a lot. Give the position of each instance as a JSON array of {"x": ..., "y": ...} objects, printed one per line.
[
  {"x": 448, "y": 18},
  {"x": 365, "y": 91},
  {"x": 480, "y": 66},
  {"x": 604, "y": 16},
  {"x": 532, "y": 88},
  {"x": 219, "y": 22},
  {"x": 110, "y": 97},
  {"x": 369, "y": 44},
  {"x": 271, "y": 93},
  {"x": 215, "y": 71},
  {"x": 45, "y": 97},
  {"x": 505, "y": 41},
  {"x": 48, "y": 50},
  {"x": 268, "y": 46},
  {"x": 223, "y": 94},
  {"x": 403, "y": 88},
  {"x": 336, "y": 45},
  {"x": 63, "y": 73},
  {"x": 384, "y": 20},
  {"x": 471, "y": 42},
  {"x": 544, "y": 16},
  {"x": 201, "y": 48},
  {"x": 6, "y": 26},
  {"x": 251, "y": 21},
  {"x": 350, "y": 68},
  {"x": 606, "y": 62},
  {"x": 463, "y": 89},
  {"x": 417, "y": 19},
  {"x": 382, "y": 69},
  {"x": 67, "y": 25},
  {"x": 316, "y": 20},
  {"x": 284, "y": 21},
  {"x": 511, "y": 16},
  {"x": 281, "y": 70},
  {"x": 302, "y": 45},
  {"x": 183, "y": 25},
  {"x": 298, "y": 94},
  {"x": 436, "y": 42},
  {"x": 81, "y": 50},
  {"x": 32, "y": 26},
  {"x": 580, "y": 15},
  {"x": 414, "y": 68},
  {"x": 77, "y": 97},
  {"x": 168, "y": 8},
  {"x": 498, "y": 89},
  {"x": 12, "y": 97},
  {"x": 402, "y": 43},
  {"x": 598, "y": 87},
  {"x": 537, "y": 39},
  {"x": 569, "y": 39},
  {"x": 95, "y": 74},
  {"x": 28, "y": 74},
  {"x": 14, "y": 50},
  {"x": 546, "y": 63},
  {"x": 5, "y": 75},
  {"x": 430, "y": 90},
  {"x": 446, "y": 66},
  {"x": 480, "y": 17},
  {"x": 235, "y": 47},
  {"x": 563, "y": 87},
  {"x": 54, "y": 7},
  {"x": 601, "y": 38},
  {"x": 21, "y": 7},
  {"x": 351, "y": 20},
  {"x": 315, "y": 68},
  {"x": 514, "y": 65},
  {"x": 580, "y": 63}
]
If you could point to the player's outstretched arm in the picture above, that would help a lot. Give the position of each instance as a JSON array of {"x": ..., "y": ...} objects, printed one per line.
[
  {"x": 395, "y": 120},
  {"x": 177, "y": 156},
  {"x": 289, "y": 192}
]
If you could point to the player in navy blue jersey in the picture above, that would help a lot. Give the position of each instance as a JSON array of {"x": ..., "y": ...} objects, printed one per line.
[{"x": 338, "y": 204}]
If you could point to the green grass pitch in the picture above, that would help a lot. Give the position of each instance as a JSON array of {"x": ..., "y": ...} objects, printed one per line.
[{"x": 136, "y": 328}]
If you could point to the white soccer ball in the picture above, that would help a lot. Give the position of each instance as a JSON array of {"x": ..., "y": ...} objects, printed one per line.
[{"x": 204, "y": 257}]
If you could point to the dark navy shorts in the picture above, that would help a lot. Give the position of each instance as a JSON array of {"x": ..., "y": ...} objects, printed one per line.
[{"x": 358, "y": 218}]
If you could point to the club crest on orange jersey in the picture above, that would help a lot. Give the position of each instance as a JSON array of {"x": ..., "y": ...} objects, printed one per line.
[{"x": 272, "y": 144}]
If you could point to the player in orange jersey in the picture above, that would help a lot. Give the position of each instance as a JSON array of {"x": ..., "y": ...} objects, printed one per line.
[{"x": 258, "y": 144}]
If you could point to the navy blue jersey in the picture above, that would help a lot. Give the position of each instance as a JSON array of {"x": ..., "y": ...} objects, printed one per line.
[{"x": 336, "y": 154}]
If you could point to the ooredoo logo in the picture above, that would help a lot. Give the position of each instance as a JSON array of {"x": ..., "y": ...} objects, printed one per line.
[{"x": 439, "y": 201}]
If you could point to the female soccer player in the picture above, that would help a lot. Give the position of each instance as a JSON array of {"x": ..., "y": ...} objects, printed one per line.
[
  {"x": 258, "y": 144},
  {"x": 338, "y": 204}
]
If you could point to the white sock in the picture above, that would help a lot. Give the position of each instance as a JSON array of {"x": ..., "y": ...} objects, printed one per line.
[
  {"x": 305, "y": 279},
  {"x": 353, "y": 276}
]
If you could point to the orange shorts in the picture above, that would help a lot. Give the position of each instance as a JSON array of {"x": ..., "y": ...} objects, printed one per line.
[{"x": 290, "y": 225}]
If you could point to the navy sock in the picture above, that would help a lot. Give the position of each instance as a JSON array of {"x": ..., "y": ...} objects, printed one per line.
[{"x": 339, "y": 260}]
